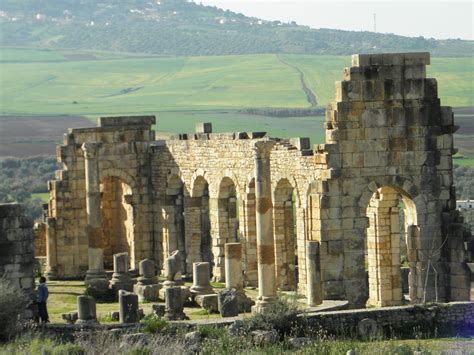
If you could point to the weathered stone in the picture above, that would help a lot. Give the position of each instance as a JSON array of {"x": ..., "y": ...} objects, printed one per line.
[
  {"x": 368, "y": 329},
  {"x": 227, "y": 302},
  {"x": 201, "y": 279},
  {"x": 120, "y": 278},
  {"x": 158, "y": 310},
  {"x": 208, "y": 302},
  {"x": 70, "y": 317},
  {"x": 128, "y": 303},
  {"x": 147, "y": 293},
  {"x": 147, "y": 272},
  {"x": 265, "y": 337},
  {"x": 86, "y": 311},
  {"x": 386, "y": 132},
  {"x": 174, "y": 304},
  {"x": 237, "y": 328},
  {"x": 172, "y": 269},
  {"x": 299, "y": 342}
]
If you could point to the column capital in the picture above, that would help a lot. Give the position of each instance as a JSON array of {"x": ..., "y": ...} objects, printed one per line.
[
  {"x": 263, "y": 148},
  {"x": 90, "y": 150}
]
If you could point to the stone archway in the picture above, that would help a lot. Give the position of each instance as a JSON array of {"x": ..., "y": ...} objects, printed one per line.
[
  {"x": 226, "y": 214},
  {"x": 117, "y": 219},
  {"x": 174, "y": 233},
  {"x": 284, "y": 222},
  {"x": 383, "y": 245}
]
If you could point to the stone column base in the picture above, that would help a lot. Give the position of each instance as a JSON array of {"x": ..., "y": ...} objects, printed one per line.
[{"x": 262, "y": 304}]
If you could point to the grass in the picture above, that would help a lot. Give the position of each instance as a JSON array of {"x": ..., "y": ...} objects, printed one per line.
[
  {"x": 63, "y": 299},
  {"x": 464, "y": 162},
  {"x": 43, "y": 82},
  {"x": 41, "y": 196},
  {"x": 182, "y": 91}
]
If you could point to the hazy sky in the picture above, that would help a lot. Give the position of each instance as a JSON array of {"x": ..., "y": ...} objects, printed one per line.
[{"x": 437, "y": 19}]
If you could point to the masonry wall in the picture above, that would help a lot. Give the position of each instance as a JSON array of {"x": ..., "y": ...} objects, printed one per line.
[
  {"x": 387, "y": 129},
  {"x": 389, "y": 143},
  {"x": 223, "y": 159},
  {"x": 456, "y": 318},
  {"x": 122, "y": 154},
  {"x": 17, "y": 254}
]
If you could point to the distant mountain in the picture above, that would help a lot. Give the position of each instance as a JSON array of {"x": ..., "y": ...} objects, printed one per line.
[{"x": 179, "y": 27}]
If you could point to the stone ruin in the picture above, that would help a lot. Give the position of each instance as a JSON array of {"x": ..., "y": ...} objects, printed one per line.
[
  {"x": 17, "y": 254},
  {"x": 388, "y": 151}
]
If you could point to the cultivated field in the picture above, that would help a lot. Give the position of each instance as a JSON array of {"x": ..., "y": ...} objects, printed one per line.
[{"x": 181, "y": 91}]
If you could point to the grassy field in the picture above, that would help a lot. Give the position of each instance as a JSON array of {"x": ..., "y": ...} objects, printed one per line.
[
  {"x": 41, "y": 196},
  {"x": 181, "y": 91},
  {"x": 49, "y": 82}
]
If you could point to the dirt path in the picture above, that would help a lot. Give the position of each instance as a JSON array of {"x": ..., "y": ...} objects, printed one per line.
[{"x": 310, "y": 97}]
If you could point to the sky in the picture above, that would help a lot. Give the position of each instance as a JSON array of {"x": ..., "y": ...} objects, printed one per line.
[{"x": 430, "y": 19}]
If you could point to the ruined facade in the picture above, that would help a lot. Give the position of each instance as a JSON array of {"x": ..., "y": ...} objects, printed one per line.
[{"x": 389, "y": 146}]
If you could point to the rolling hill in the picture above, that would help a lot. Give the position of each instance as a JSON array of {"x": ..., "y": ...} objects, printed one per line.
[{"x": 179, "y": 27}]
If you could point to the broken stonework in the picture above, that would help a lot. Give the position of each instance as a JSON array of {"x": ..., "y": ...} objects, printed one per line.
[
  {"x": 17, "y": 260},
  {"x": 174, "y": 304},
  {"x": 86, "y": 311},
  {"x": 147, "y": 287},
  {"x": 208, "y": 302},
  {"x": 128, "y": 303},
  {"x": 120, "y": 278},
  {"x": 201, "y": 279},
  {"x": 228, "y": 303},
  {"x": 172, "y": 269},
  {"x": 387, "y": 139}
]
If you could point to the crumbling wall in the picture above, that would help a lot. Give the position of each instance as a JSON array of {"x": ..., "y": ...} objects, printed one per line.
[
  {"x": 388, "y": 130},
  {"x": 17, "y": 253},
  {"x": 389, "y": 145}
]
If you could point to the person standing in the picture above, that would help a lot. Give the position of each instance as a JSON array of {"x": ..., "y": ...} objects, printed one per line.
[{"x": 42, "y": 299}]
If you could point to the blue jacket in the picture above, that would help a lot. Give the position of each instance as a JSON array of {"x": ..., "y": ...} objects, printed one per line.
[{"x": 42, "y": 293}]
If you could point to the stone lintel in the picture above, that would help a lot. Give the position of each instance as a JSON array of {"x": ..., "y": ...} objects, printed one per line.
[
  {"x": 118, "y": 121},
  {"x": 392, "y": 59}
]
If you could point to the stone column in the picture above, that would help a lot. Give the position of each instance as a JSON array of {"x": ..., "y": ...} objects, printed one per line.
[
  {"x": 94, "y": 227},
  {"x": 120, "y": 278},
  {"x": 174, "y": 304},
  {"x": 201, "y": 279},
  {"x": 128, "y": 303},
  {"x": 233, "y": 265},
  {"x": 86, "y": 311},
  {"x": 51, "y": 249},
  {"x": 313, "y": 276},
  {"x": 233, "y": 276},
  {"x": 147, "y": 287},
  {"x": 265, "y": 243}
]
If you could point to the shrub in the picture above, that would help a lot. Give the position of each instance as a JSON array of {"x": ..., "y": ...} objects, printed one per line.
[
  {"x": 13, "y": 303},
  {"x": 281, "y": 315},
  {"x": 154, "y": 324}
]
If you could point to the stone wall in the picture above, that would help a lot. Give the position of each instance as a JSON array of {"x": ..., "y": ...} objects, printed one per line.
[
  {"x": 456, "y": 318},
  {"x": 389, "y": 146},
  {"x": 17, "y": 256}
]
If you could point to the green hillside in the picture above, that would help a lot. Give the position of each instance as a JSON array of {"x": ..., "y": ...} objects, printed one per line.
[
  {"x": 181, "y": 27},
  {"x": 53, "y": 82}
]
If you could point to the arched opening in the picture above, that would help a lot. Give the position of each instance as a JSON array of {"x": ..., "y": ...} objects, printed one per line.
[
  {"x": 198, "y": 225},
  {"x": 390, "y": 246},
  {"x": 250, "y": 234},
  {"x": 117, "y": 220},
  {"x": 174, "y": 237},
  {"x": 227, "y": 224},
  {"x": 284, "y": 217}
]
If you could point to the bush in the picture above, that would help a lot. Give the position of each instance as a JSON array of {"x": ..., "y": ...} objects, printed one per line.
[
  {"x": 153, "y": 324},
  {"x": 13, "y": 303},
  {"x": 282, "y": 315}
]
